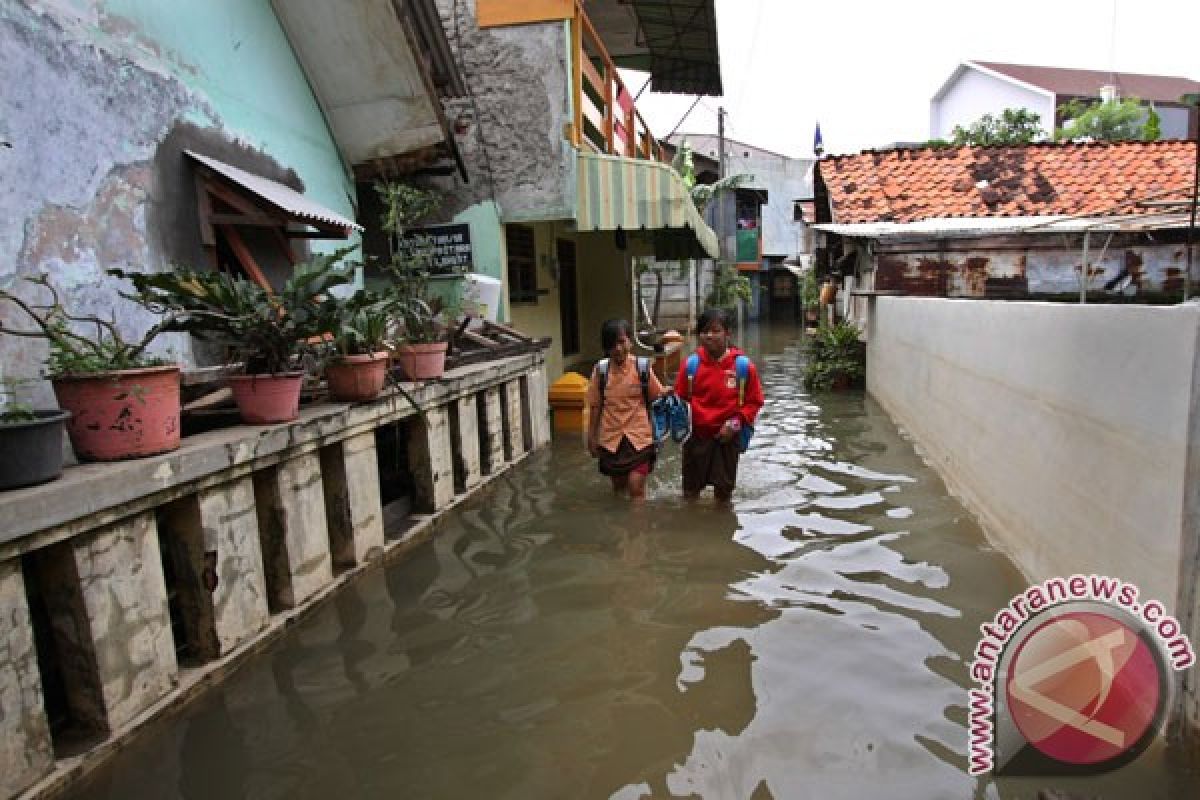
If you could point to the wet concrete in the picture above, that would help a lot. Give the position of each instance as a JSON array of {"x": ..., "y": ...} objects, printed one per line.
[{"x": 552, "y": 643}]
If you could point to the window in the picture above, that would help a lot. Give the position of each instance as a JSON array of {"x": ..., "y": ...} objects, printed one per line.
[{"x": 522, "y": 264}]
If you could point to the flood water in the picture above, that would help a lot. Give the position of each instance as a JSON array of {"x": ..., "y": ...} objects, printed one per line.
[{"x": 811, "y": 642}]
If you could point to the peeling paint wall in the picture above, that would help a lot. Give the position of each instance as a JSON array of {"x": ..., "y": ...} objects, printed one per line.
[
  {"x": 100, "y": 96},
  {"x": 514, "y": 148}
]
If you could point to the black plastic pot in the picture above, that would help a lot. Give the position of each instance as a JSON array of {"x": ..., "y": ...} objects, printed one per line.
[{"x": 31, "y": 451}]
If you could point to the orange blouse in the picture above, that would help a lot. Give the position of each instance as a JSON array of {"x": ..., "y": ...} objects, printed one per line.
[{"x": 624, "y": 412}]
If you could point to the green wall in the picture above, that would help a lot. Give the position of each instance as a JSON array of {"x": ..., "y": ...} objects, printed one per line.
[{"x": 235, "y": 55}]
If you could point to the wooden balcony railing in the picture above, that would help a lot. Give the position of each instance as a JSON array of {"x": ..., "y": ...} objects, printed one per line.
[{"x": 606, "y": 119}]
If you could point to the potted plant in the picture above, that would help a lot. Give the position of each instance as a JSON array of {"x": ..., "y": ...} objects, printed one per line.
[
  {"x": 421, "y": 334},
  {"x": 267, "y": 332},
  {"x": 31, "y": 441},
  {"x": 123, "y": 402},
  {"x": 357, "y": 370},
  {"x": 811, "y": 297},
  {"x": 836, "y": 358}
]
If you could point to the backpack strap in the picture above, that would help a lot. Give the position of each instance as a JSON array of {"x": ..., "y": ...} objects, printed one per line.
[
  {"x": 741, "y": 365},
  {"x": 693, "y": 364},
  {"x": 602, "y": 374},
  {"x": 643, "y": 368}
]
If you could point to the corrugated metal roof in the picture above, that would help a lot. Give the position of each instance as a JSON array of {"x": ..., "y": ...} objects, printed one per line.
[
  {"x": 284, "y": 198},
  {"x": 966, "y": 227}
]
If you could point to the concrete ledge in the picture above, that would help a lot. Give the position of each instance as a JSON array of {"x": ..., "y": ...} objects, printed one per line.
[{"x": 92, "y": 495}]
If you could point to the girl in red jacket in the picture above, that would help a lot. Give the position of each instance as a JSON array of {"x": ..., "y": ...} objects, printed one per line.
[{"x": 720, "y": 409}]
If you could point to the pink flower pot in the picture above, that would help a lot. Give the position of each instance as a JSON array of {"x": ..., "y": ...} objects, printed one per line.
[
  {"x": 267, "y": 399},
  {"x": 421, "y": 362},
  {"x": 126, "y": 414},
  {"x": 357, "y": 378}
]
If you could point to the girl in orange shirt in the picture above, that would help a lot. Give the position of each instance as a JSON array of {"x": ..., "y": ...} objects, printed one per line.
[{"x": 619, "y": 433}]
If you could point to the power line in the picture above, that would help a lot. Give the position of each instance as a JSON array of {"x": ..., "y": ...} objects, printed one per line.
[{"x": 681, "y": 119}]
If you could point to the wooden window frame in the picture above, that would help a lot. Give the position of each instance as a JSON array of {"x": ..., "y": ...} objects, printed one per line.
[{"x": 522, "y": 264}]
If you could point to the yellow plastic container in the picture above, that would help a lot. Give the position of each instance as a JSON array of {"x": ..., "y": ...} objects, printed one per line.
[{"x": 568, "y": 398}]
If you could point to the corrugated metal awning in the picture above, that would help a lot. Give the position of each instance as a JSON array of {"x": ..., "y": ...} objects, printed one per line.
[
  {"x": 634, "y": 194},
  {"x": 966, "y": 227},
  {"x": 283, "y": 198}
]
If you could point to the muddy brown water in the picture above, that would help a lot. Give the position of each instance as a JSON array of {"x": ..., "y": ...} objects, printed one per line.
[{"x": 810, "y": 642}]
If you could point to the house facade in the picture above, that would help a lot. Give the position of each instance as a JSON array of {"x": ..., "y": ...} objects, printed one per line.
[
  {"x": 1100, "y": 221},
  {"x": 569, "y": 188},
  {"x": 761, "y": 223},
  {"x": 976, "y": 88},
  {"x": 219, "y": 134}
]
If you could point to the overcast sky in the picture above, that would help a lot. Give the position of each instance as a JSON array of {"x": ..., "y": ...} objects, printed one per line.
[{"x": 867, "y": 70}]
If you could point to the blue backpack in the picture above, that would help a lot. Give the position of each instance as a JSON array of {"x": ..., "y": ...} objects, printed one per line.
[{"x": 741, "y": 366}]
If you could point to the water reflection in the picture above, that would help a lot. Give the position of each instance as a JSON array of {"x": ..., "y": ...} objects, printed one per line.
[{"x": 549, "y": 642}]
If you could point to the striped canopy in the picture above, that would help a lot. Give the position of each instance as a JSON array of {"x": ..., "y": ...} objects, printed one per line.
[{"x": 635, "y": 194}]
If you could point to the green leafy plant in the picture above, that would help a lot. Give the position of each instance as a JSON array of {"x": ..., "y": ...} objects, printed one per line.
[
  {"x": 423, "y": 318},
  {"x": 836, "y": 358},
  {"x": 703, "y": 193},
  {"x": 1152, "y": 130},
  {"x": 1112, "y": 121},
  {"x": 79, "y": 345},
  {"x": 363, "y": 330},
  {"x": 13, "y": 409},
  {"x": 269, "y": 332},
  {"x": 729, "y": 288},
  {"x": 810, "y": 291},
  {"x": 1013, "y": 126}
]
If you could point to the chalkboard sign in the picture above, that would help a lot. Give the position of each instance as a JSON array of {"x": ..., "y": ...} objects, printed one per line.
[{"x": 446, "y": 248}]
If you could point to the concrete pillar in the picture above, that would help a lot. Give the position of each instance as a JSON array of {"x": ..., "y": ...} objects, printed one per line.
[
  {"x": 25, "y": 750},
  {"x": 350, "y": 470},
  {"x": 431, "y": 460},
  {"x": 514, "y": 418},
  {"x": 464, "y": 426},
  {"x": 291, "y": 524},
  {"x": 214, "y": 535},
  {"x": 107, "y": 602},
  {"x": 492, "y": 435},
  {"x": 539, "y": 408}
]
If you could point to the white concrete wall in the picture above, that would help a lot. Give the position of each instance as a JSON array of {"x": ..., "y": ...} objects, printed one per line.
[
  {"x": 1173, "y": 121},
  {"x": 1064, "y": 427},
  {"x": 975, "y": 94}
]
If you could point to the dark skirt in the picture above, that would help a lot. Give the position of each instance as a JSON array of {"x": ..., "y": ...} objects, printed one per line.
[
  {"x": 626, "y": 459},
  {"x": 708, "y": 462}
]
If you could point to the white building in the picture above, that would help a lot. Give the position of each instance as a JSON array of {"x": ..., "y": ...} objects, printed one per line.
[{"x": 976, "y": 88}]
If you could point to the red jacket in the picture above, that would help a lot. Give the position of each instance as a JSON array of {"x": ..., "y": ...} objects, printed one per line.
[{"x": 714, "y": 393}]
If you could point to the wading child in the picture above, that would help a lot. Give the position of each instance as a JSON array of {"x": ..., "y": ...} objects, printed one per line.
[
  {"x": 620, "y": 436},
  {"x": 722, "y": 386}
]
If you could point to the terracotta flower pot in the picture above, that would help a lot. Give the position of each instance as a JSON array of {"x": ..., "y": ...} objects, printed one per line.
[
  {"x": 33, "y": 449},
  {"x": 267, "y": 399},
  {"x": 126, "y": 414},
  {"x": 357, "y": 378},
  {"x": 421, "y": 362}
]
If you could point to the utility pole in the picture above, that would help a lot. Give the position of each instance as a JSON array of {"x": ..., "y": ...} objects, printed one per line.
[{"x": 720, "y": 142}]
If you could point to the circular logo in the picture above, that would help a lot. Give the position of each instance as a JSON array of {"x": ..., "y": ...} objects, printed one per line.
[{"x": 1085, "y": 688}]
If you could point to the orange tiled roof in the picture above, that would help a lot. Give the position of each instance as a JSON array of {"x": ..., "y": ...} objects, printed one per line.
[{"x": 1033, "y": 180}]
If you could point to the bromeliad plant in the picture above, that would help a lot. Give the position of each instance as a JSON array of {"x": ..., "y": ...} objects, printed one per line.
[{"x": 268, "y": 332}]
